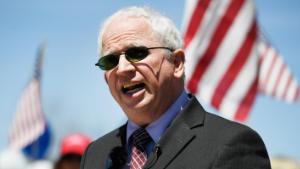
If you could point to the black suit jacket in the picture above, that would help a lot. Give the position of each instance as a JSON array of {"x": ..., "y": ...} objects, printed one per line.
[{"x": 194, "y": 140}]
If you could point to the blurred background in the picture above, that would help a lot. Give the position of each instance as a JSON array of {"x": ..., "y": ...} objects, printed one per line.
[{"x": 75, "y": 97}]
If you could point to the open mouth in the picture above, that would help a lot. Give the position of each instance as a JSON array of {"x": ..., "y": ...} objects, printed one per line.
[{"x": 132, "y": 88}]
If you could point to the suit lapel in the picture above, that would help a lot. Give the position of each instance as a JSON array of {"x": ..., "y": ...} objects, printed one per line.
[
  {"x": 117, "y": 156},
  {"x": 178, "y": 135}
]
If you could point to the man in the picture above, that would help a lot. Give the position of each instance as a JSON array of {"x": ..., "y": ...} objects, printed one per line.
[
  {"x": 141, "y": 54},
  {"x": 72, "y": 148}
]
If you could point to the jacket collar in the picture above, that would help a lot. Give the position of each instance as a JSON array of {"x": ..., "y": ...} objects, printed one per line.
[{"x": 169, "y": 146}]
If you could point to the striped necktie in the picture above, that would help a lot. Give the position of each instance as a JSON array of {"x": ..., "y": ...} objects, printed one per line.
[{"x": 140, "y": 138}]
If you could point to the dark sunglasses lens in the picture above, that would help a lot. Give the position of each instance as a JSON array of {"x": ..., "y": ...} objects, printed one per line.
[
  {"x": 136, "y": 54},
  {"x": 108, "y": 62}
]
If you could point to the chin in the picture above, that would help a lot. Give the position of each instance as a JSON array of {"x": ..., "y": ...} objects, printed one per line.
[
  {"x": 142, "y": 121},
  {"x": 139, "y": 115}
]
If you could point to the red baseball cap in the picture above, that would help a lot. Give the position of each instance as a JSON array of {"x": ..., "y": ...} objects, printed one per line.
[{"x": 74, "y": 144}]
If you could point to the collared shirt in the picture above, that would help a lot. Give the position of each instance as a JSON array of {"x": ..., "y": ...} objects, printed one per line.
[{"x": 157, "y": 128}]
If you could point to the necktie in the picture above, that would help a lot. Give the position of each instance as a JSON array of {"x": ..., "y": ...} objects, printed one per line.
[{"x": 138, "y": 154}]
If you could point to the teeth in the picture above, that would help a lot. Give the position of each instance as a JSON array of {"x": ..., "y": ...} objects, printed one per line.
[
  {"x": 129, "y": 85},
  {"x": 132, "y": 88}
]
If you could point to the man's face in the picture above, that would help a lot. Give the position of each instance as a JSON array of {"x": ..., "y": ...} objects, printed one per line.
[{"x": 144, "y": 89}]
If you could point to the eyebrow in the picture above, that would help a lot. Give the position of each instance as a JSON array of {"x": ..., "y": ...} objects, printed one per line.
[{"x": 130, "y": 45}]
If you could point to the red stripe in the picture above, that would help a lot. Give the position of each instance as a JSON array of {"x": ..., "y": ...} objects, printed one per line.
[
  {"x": 196, "y": 21},
  {"x": 287, "y": 87},
  {"x": 235, "y": 67},
  {"x": 269, "y": 73},
  {"x": 242, "y": 112},
  {"x": 278, "y": 79},
  {"x": 215, "y": 42},
  {"x": 297, "y": 94}
]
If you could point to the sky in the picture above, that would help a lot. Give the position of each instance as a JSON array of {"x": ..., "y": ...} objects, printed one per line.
[{"x": 75, "y": 96}]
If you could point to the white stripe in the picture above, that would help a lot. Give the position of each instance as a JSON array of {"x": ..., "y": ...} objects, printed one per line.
[
  {"x": 189, "y": 9},
  {"x": 291, "y": 91},
  {"x": 277, "y": 71},
  {"x": 283, "y": 82},
  {"x": 273, "y": 76},
  {"x": 263, "y": 50},
  {"x": 264, "y": 67}
]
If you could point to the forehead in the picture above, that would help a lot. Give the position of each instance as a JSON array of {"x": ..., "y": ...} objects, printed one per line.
[{"x": 124, "y": 31}]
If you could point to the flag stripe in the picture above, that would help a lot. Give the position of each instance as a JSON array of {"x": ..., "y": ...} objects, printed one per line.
[
  {"x": 269, "y": 71},
  {"x": 196, "y": 20},
  {"x": 292, "y": 91},
  {"x": 235, "y": 67},
  {"x": 297, "y": 93},
  {"x": 217, "y": 38},
  {"x": 278, "y": 78},
  {"x": 272, "y": 76},
  {"x": 265, "y": 62},
  {"x": 287, "y": 86},
  {"x": 242, "y": 112},
  {"x": 265, "y": 49},
  {"x": 282, "y": 84}
]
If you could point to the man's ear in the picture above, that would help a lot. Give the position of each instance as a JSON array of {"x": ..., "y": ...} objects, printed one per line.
[
  {"x": 178, "y": 60},
  {"x": 105, "y": 77}
]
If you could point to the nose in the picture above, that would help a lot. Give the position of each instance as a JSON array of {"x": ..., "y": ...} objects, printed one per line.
[{"x": 124, "y": 66}]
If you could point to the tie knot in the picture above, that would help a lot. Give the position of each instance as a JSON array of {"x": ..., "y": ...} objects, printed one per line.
[{"x": 140, "y": 138}]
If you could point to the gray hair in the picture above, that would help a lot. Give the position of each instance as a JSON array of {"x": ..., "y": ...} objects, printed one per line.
[{"x": 164, "y": 29}]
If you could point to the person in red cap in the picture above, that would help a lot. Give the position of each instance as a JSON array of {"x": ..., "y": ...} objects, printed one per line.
[{"x": 71, "y": 150}]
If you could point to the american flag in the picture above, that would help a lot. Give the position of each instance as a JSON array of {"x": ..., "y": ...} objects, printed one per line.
[
  {"x": 29, "y": 131},
  {"x": 228, "y": 59}
]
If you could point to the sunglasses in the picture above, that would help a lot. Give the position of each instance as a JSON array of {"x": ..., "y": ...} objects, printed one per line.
[{"x": 133, "y": 54}]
